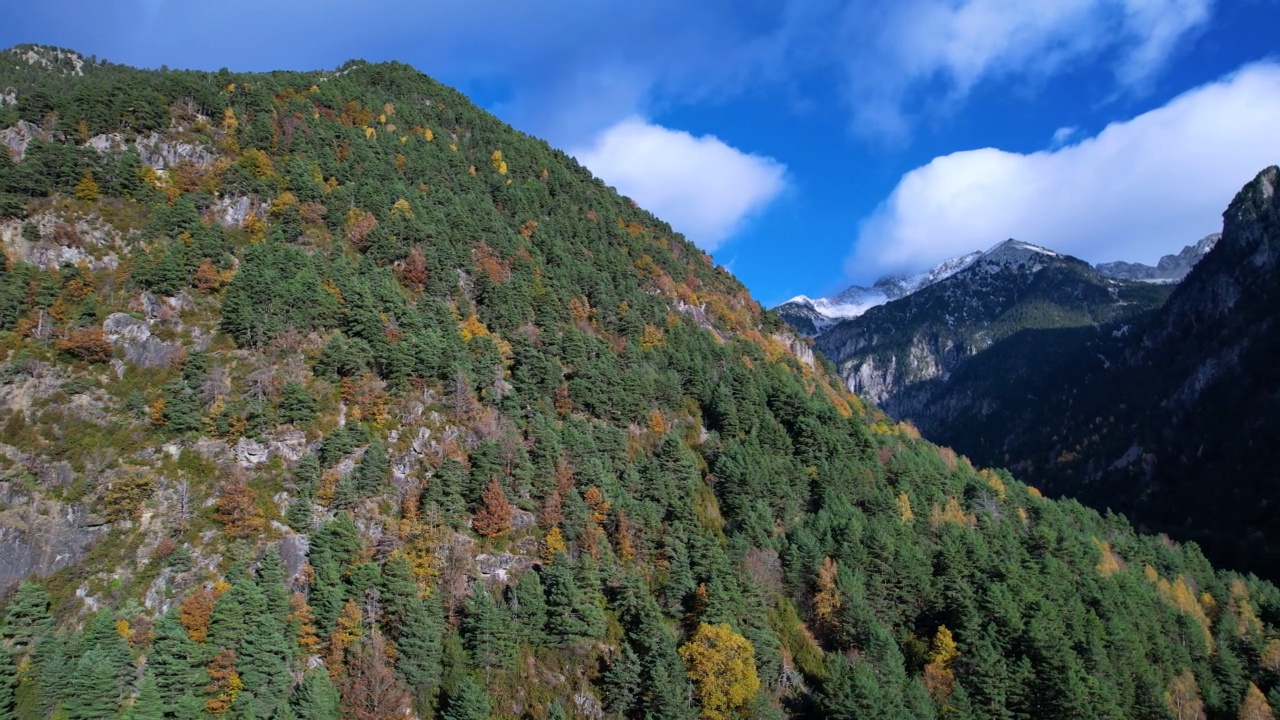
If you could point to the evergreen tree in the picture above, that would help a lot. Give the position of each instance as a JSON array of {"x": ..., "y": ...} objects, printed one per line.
[
  {"x": 371, "y": 474},
  {"x": 27, "y": 618},
  {"x": 571, "y": 617},
  {"x": 172, "y": 659},
  {"x": 316, "y": 698},
  {"x": 148, "y": 705},
  {"x": 468, "y": 702},
  {"x": 95, "y": 690},
  {"x": 530, "y": 602},
  {"x": 8, "y": 686},
  {"x": 300, "y": 511},
  {"x": 414, "y": 626},
  {"x": 487, "y": 631}
]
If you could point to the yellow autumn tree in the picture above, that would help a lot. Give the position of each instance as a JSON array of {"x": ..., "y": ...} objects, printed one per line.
[
  {"x": 721, "y": 664},
  {"x": 553, "y": 544},
  {"x": 87, "y": 188},
  {"x": 939, "y": 678},
  {"x": 1183, "y": 698},
  {"x": 1255, "y": 706},
  {"x": 498, "y": 163},
  {"x": 1271, "y": 656},
  {"x": 827, "y": 601}
]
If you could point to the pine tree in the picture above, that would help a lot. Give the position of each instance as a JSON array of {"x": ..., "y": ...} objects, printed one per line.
[
  {"x": 622, "y": 682},
  {"x": 95, "y": 688},
  {"x": 467, "y": 702},
  {"x": 263, "y": 653},
  {"x": 487, "y": 631},
  {"x": 371, "y": 473},
  {"x": 300, "y": 511},
  {"x": 8, "y": 686},
  {"x": 148, "y": 705},
  {"x": 531, "y": 608},
  {"x": 494, "y": 517},
  {"x": 414, "y": 626},
  {"x": 316, "y": 698},
  {"x": 171, "y": 662},
  {"x": 27, "y": 619},
  {"x": 571, "y": 617}
]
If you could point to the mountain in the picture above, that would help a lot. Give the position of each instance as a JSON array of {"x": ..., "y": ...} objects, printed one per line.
[
  {"x": 327, "y": 394},
  {"x": 902, "y": 353},
  {"x": 1170, "y": 268},
  {"x": 1163, "y": 416},
  {"x": 812, "y": 317}
]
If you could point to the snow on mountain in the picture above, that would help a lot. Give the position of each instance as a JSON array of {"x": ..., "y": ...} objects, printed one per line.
[{"x": 816, "y": 315}]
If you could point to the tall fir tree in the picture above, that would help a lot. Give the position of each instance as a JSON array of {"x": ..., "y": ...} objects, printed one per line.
[
  {"x": 414, "y": 625},
  {"x": 487, "y": 631},
  {"x": 316, "y": 697},
  {"x": 468, "y": 701}
]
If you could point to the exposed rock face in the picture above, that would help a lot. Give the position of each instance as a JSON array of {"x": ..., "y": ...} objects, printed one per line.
[
  {"x": 112, "y": 144},
  {"x": 16, "y": 139},
  {"x": 140, "y": 347},
  {"x": 40, "y": 536},
  {"x": 9, "y": 96},
  {"x": 1170, "y": 268},
  {"x": 232, "y": 211},
  {"x": 161, "y": 153},
  {"x": 82, "y": 240},
  {"x": 53, "y": 59},
  {"x": 502, "y": 567}
]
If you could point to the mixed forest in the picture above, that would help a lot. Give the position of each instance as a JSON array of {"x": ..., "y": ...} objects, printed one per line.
[{"x": 372, "y": 406}]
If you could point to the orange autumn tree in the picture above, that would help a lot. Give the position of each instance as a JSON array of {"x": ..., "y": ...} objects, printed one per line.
[
  {"x": 237, "y": 507},
  {"x": 494, "y": 518}
]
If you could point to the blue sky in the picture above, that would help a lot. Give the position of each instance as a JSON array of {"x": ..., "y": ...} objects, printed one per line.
[{"x": 809, "y": 143}]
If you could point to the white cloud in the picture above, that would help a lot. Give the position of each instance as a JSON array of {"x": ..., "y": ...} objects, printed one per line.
[
  {"x": 1137, "y": 190},
  {"x": 916, "y": 52},
  {"x": 703, "y": 187},
  {"x": 1062, "y": 135}
]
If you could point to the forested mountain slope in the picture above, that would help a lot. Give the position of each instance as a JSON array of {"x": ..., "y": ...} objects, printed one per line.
[
  {"x": 329, "y": 395},
  {"x": 1169, "y": 418}
]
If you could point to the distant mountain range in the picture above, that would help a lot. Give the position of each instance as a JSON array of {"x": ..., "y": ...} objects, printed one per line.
[
  {"x": 814, "y": 316},
  {"x": 1143, "y": 389}
]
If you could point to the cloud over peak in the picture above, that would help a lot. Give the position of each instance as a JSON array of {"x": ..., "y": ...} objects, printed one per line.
[{"x": 1138, "y": 189}]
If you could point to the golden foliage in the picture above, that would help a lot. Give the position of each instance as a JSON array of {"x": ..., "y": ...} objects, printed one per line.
[
  {"x": 498, "y": 163},
  {"x": 598, "y": 505},
  {"x": 527, "y": 228},
  {"x": 1035, "y": 492},
  {"x": 1270, "y": 656},
  {"x": 553, "y": 543},
  {"x": 1183, "y": 698},
  {"x": 827, "y": 600},
  {"x": 992, "y": 480},
  {"x": 1179, "y": 595},
  {"x": 904, "y": 508},
  {"x": 473, "y": 328},
  {"x": 950, "y": 513},
  {"x": 721, "y": 664},
  {"x": 652, "y": 338},
  {"x": 657, "y": 423},
  {"x": 421, "y": 539},
  {"x": 259, "y": 163},
  {"x": 87, "y": 188},
  {"x": 401, "y": 208},
  {"x": 256, "y": 227},
  {"x": 1255, "y": 706},
  {"x": 236, "y": 507},
  {"x": 283, "y": 202},
  {"x": 86, "y": 343},
  {"x": 303, "y": 621},
  {"x": 224, "y": 683},
  {"x": 1243, "y": 611},
  {"x": 939, "y": 675},
  {"x": 1109, "y": 563}
]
